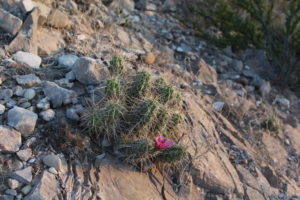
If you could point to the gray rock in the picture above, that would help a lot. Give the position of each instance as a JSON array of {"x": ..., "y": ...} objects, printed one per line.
[
  {"x": 29, "y": 94},
  {"x": 237, "y": 65},
  {"x": 72, "y": 114},
  {"x": 11, "y": 103},
  {"x": 2, "y": 109},
  {"x": 283, "y": 102},
  {"x": 169, "y": 5},
  {"x": 25, "y": 104},
  {"x": 23, "y": 120},
  {"x": 25, "y": 190},
  {"x": 28, "y": 80},
  {"x": 52, "y": 160},
  {"x": 18, "y": 91},
  {"x": 87, "y": 71},
  {"x": 43, "y": 104},
  {"x": 29, "y": 59},
  {"x": 46, "y": 188},
  {"x": 218, "y": 106},
  {"x": 26, "y": 39},
  {"x": 10, "y": 140},
  {"x": 9, "y": 23},
  {"x": 11, "y": 192},
  {"x": 183, "y": 48},
  {"x": 58, "y": 95},
  {"x": 6, "y": 94},
  {"x": 47, "y": 115},
  {"x": 70, "y": 76},
  {"x": 24, "y": 154},
  {"x": 23, "y": 175},
  {"x": 13, "y": 183},
  {"x": 67, "y": 60}
]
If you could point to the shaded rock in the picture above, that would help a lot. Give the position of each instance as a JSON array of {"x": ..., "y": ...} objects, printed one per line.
[
  {"x": 46, "y": 188},
  {"x": 18, "y": 91},
  {"x": 26, "y": 39},
  {"x": 52, "y": 161},
  {"x": 6, "y": 94},
  {"x": 88, "y": 72},
  {"x": 29, "y": 93},
  {"x": 70, "y": 76},
  {"x": 59, "y": 96},
  {"x": 67, "y": 60},
  {"x": 28, "y": 80},
  {"x": 169, "y": 5},
  {"x": 271, "y": 176},
  {"x": 29, "y": 59},
  {"x": 218, "y": 106},
  {"x": 24, "y": 154},
  {"x": 58, "y": 19},
  {"x": 47, "y": 115},
  {"x": 9, "y": 23},
  {"x": 23, "y": 175},
  {"x": 10, "y": 140},
  {"x": 283, "y": 102},
  {"x": 11, "y": 192},
  {"x": 25, "y": 190},
  {"x": 23, "y": 120}
]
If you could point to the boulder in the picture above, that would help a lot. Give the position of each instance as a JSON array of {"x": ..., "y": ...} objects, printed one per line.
[
  {"x": 10, "y": 140},
  {"x": 58, "y": 19},
  {"x": 9, "y": 23},
  {"x": 87, "y": 71},
  {"x": 22, "y": 119}
]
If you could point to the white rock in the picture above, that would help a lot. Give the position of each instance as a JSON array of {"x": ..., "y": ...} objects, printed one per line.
[
  {"x": 29, "y": 59},
  {"x": 43, "y": 104},
  {"x": 52, "y": 170},
  {"x": 13, "y": 183},
  {"x": 218, "y": 106},
  {"x": 29, "y": 94},
  {"x": 22, "y": 119},
  {"x": 67, "y": 60},
  {"x": 24, "y": 154},
  {"x": 2, "y": 109},
  {"x": 70, "y": 76},
  {"x": 47, "y": 115},
  {"x": 10, "y": 140}
]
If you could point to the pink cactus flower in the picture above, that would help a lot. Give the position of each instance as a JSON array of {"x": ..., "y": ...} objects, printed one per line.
[{"x": 163, "y": 143}]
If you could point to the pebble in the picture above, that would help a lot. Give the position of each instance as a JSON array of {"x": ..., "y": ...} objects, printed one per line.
[
  {"x": 52, "y": 160},
  {"x": 283, "y": 102},
  {"x": 18, "y": 91},
  {"x": 218, "y": 106},
  {"x": 13, "y": 183},
  {"x": 28, "y": 80},
  {"x": 11, "y": 103},
  {"x": 2, "y": 109},
  {"x": 47, "y": 115},
  {"x": 25, "y": 104},
  {"x": 6, "y": 94},
  {"x": 43, "y": 104},
  {"x": 25, "y": 190},
  {"x": 11, "y": 192},
  {"x": 71, "y": 114},
  {"x": 70, "y": 76},
  {"x": 24, "y": 154},
  {"x": 52, "y": 170},
  {"x": 29, "y": 93}
]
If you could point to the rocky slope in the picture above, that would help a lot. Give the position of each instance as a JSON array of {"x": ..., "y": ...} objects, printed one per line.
[{"x": 242, "y": 134}]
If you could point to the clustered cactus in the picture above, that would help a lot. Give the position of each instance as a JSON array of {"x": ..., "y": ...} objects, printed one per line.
[{"x": 138, "y": 115}]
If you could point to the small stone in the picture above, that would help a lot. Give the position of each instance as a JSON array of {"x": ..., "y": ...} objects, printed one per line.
[
  {"x": 67, "y": 60},
  {"x": 13, "y": 183},
  {"x": 23, "y": 175},
  {"x": 28, "y": 80},
  {"x": 24, "y": 154},
  {"x": 59, "y": 96},
  {"x": 29, "y": 93},
  {"x": 2, "y": 109},
  {"x": 218, "y": 106},
  {"x": 47, "y": 115},
  {"x": 52, "y": 160},
  {"x": 58, "y": 19},
  {"x": 43, "y": 104},
  {"x": 25, "y": 104},
  {"x": 70, "y": 76},
  {"x": 149, "y": 58},
  {"x": 11, "y": 192},
  {"x": 6, "y": 94},
  {"x": 9, "y": 23},
  {"x": 250, "y": 88},
  {"x": 11, "y": 103},
  {"x": 283, "y": 102},
  {"x": 18, "y": 91},
  {"x": 10, "y": 140},
  {"x": 52, "y": 170},
  {"x": 19, "y": 196},
  {"x": 29, "y": 59},
  {"x": 71, "y": 114},
  {"x": 89, "y": 72},
  {"x": 23, "y": 120},
  {"x": 25, "y": 190},
  {"x": 265, "y": 88}
]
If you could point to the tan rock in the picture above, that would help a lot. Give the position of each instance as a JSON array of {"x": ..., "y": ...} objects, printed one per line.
[
  {"x": 58, "y": 19},
  {"x": 150, "y": 58},
  {"x": 9, "y": 23},
  {"x": 49, "y": 41},
  {"x": 207, "y": 74}
]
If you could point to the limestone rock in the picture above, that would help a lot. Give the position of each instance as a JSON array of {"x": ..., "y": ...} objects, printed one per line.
[
  {"x": 9, "y": 23},
  {"x": 88, "y": 72},
  {"x": 28, "y": 80},
  {"x": 23, "y": 120},
  {"x": 10, "y": 140},
  {"x": 29, "y": 59},
  {"x": 59, "y": 96}
]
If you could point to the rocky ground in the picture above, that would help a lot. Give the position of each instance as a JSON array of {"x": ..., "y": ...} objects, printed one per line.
[{"x": 242, "y": 133}]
